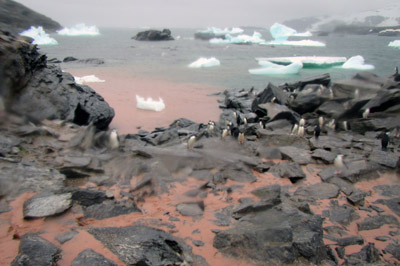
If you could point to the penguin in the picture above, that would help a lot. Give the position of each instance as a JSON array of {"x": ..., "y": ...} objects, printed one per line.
[
  {"x": 317, "y": 131},
  {"x": 365, "y": 113},
  {"x": 302, "y": 122},
  {"x": 224, "y": 134},
  {"x": 190, "y": 143},
  {"x": 385, "y": 141},
  {"x": 234, "y": 131},
  {"x": 301, "y": 131},
  {"x": 331, "y": 96},
  {"x": 295, "y": 129},
  {"x": 273, "y": 100},
  {"x": 321, "y": 121},
  {"x": 210, "y": 127},
  {"x": 356, "y": 94},
  {"x": 241, "y": 138},
  {"x": 245, "y": 121},
  {"x": 339, "y": 164},
  {"x": 332, "y": 124},
  {"x": 235, "y": 116},
  {"x": 114, "y": 140},
  {"x": 261, "y": 124},
  {"x": 345, "y": 126}
]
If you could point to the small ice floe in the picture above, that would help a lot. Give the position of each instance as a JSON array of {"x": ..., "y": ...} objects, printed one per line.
[
  {"x": 269, "y": 68},
  {"x": 79, "y": 30},
  {"x": 307, "y": 61},
  {"x": 357, "y": 62},
  {"x": 395, "y": 44},
  {"x": 39, "y": 36},
  {"x": 205, "y": 62},
  {"x": 149, "y": 104},
  {"x": 87, "y": 79},
  {"x": 307, "y": 43},
  {"x": 221, "y": 32}
]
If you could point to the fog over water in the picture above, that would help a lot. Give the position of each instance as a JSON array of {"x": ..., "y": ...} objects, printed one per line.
[{"x": 185, "y": 13}]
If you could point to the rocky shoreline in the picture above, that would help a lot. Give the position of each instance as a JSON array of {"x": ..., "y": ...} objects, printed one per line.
[{"x": 71, "y": 194}]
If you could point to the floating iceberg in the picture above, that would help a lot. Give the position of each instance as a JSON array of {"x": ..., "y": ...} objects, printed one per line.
[
  {"x": 205, "y": 62},
  {"x": 39, "y": 36},
  {"x": 80, "y": 29},
  {"x": 218, "y": 31},
  {"x": 150, "y": 104},
  {"x": 395, "y": 44},
  {"x": 240, "y": 39},
  {"x": 307, "y": 61},
  {"x": 269, "y": 68},
  {"x": 310, "y": 43},
  {"x": 357, "y": 62},
  {"x": 280, "y": 32},
  {"x": 88, "y": 79}
]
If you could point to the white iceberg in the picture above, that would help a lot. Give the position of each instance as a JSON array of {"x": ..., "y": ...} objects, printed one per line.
[
  {"x": 221, "y": 32},
  {"x": 303, "y": 34},
  {"x": 395, "y": 44},
  {"x": 150, "y": 104},
  {"x": 270, "y": 68},
  {"x": 79, "y": 29},
  {"x": 309, "y": 43},
  {"x": 39, "y": 36},
  {"x": 357, "y": 62},
  {"x": 240, "y": 39},
  {"x": 87, "y": 79},
  {"x": 205, "y": 62},
  {"x": 307, "y": 61}
]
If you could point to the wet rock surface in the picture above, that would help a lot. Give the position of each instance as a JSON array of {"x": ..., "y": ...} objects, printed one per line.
[{"x": 275, "y": 197}]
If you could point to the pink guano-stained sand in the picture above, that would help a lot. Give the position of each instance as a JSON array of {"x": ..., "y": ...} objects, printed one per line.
[{"x": 182, "y": 100}]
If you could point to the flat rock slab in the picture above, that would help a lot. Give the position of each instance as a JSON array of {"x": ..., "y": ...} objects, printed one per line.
[
  {"x": 325, "y": 156},
  {"x": 297, "y": 155},
  {"x": 109, "y": 209},
  {"x": 342, "y": 214},
  {"x": 375, "y": 222},
  {"x": 289, "y": 170},
  {"x": 388, "y": 159},
  {"x": 36, "y": 251},
  {"x": 46, "y": 205},
  {"x": 191, "y": 208},
  {"x": 88, "y": 257},
  {"x": 268, "y": 192},
  {"x": 329, "y": 142},
  {"x": 318, "y": 191},
  {"x": 142, "y": 245}
]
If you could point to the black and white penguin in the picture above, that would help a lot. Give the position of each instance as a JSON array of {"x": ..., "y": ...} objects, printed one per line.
[
  {"x": 385, "y": 141},
  {"x": 301, "y": 131},
  {"x": 365, "y": 113},
  {"x": 339, "y": 164},
  {"x": 224, "y": 133},
  {"x": 241, "y": 137},
  {"x": 317, "y": 131},
  {"x": 295, "y": 129}
]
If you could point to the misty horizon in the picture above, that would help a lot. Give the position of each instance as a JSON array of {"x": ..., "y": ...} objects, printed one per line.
[{"x": 185, "y": 14}]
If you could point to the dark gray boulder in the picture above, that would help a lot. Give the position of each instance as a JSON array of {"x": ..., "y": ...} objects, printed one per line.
[
  {"x": 191, "y": 208},
  {"x": 277, "y": 235},
  {"x": 317, "y": 191},
  {"x": 266, "y": 96},
  {"x": 297, "y": 155},
  {"x": 323, "y": 79},
  {"x": 393, "y": 249},
  {"x": 154, "y": 35},
  {"x": 276, "y": 111},
  {"x": 89, "y": 257},
  {"x": 142, "y": 245},
  {"x": 40, "y": 91},
  {"x": 36, "y": 251}
]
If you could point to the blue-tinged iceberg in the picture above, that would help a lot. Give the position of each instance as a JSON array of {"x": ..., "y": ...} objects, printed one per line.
[
  {"x": 395, "y": 44},
  {"x": 39, "y": 36},
  {"x": 205, "y": 62},
  {"x": 357, "y": 62},
  {"x": 269, "y": 68},
  {"x": 80, "y": 29},
  {"x": 281, "y": 32},
  {"x": 307, "y": 61}
]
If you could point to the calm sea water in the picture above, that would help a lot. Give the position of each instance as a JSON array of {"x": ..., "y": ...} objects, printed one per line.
[{"x": 169, "y": 59}]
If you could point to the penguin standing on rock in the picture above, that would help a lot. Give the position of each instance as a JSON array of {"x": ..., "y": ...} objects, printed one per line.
[
  {"x": 385, "y": 141},
  {"x": 339, "y": 164},
  {"x": 317, "y": 131},
  {"x": 190, "y": 143},
  {"x": 365, "y": 113},
  {"x": 295, "y": 129}
]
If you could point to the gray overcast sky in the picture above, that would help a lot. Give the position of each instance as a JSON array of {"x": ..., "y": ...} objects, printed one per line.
[{"x": 192, "y": 13}]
